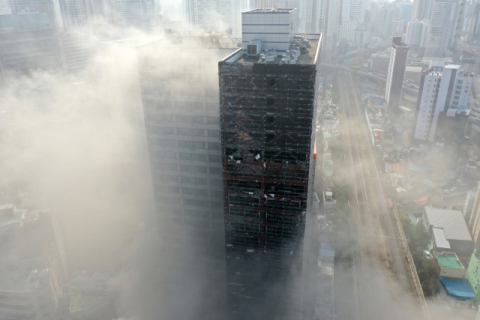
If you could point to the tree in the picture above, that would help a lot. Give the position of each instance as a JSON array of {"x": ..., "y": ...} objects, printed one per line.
[{"x": 418, "y": 238}]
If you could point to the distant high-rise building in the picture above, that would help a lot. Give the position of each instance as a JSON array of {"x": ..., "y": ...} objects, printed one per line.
[
  {"x": 331, "y": 29},
  {"x": 216, "y": 15},
  {"x": 353, "y": 10},
  {"x": 472, "y": 21},
  {"x": 444, "y": 91},
  {"x": 347, "y": 30},
  {"x": 105, "y": 9},
  {"x": 50, "y": 7},
  {"x": 416, "y": 33},
  {"x": 66, "y": 15},
  {"x": 267, "y": 107},
  {"x": 136, "y": 13},
  {"x": 383, "y": 21},
  {"x": 311, "y": 16},
  {"x": 270, "y": 4},
  {"x": 361, "y": 36},
  {"x": 445, "y": 23},
  {"x": 236, "y": 16},
  {"x": 395, "y": 74},
  {"x": 77, "y": 13},
  {"x": 28, "y": 43},
  {"x": 404, "y": 11},
  {"x": 421, "y": 9}
]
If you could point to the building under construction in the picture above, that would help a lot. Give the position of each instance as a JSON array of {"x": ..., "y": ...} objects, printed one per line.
[{"x": 267, "y": 108}]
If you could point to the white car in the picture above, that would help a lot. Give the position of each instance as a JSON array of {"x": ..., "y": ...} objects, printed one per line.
[{"x": 427, "y": 254}]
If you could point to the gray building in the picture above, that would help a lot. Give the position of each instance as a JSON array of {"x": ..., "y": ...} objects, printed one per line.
[
  {"x": 76, "y": 50},
  {"x": 51, "y": 8},
  {"x": 395, "y": 74},
  {"x": 445, "y": 24},
  {"x": 136, "y": 13},
  {"x": 179, "y": 88},
  {"x": 28, "y": 43}
]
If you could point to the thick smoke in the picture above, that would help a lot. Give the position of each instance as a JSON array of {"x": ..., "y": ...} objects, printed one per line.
[{"x": 76, "y": 145}]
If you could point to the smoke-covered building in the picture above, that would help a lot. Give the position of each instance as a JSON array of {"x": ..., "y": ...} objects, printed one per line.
[
  {"x": 179, "y": 88},
  {"x": 267, "y": 107},
  {"x": 223, "y": 16},
  {"x": 28, "y": 43},
  {"x": 136, "y": 13},
  {"x": 50, "y": 7},
  {"x": 76, "y": 51},
  {"x": 31, "y": 273}
]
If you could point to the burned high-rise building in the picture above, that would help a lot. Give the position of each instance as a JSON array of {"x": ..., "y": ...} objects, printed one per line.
[{"x": 267, "y": 107}]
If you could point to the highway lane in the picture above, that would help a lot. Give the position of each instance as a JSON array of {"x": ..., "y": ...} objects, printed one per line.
[{"x": 382, "y": 279}]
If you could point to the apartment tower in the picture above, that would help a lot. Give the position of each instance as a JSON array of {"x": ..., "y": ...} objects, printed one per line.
[
  {"x": 395, "y": 74},
  {"x": 444, "y": 92},
  {"x": 267, "y": 107}
]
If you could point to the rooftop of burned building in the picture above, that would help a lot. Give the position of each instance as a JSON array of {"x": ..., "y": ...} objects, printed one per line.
[
  {"x": 27, "y": 241},
  {"x": 24, "y": 276},
  {"x": 295, "y": 56}
]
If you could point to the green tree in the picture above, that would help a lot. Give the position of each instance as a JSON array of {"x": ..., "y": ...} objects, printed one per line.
[{"x": 418, "y": 238}]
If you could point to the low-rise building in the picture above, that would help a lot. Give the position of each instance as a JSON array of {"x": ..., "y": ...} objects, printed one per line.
[
  {"x": 448, "y": 265},
  {"x": 30, "y": 273},
  {"x": 91, "y": 297},
  {"x": 29, "y": 289},
  {"x": 473, "y": 274},
  {"x": 449, "y": 231}
]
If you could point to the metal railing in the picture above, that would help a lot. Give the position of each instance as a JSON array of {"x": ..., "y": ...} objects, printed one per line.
[{"x": 413, "y": 269}]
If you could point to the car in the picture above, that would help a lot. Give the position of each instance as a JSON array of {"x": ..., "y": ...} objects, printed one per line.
[{"x": 427, "y": 254}]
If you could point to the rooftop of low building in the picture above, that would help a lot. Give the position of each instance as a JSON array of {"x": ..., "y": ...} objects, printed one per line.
[
  {"x": 448, "y": 260},
  {"x": 23, "y": 276},
  {"x": 451, "y": 221}
]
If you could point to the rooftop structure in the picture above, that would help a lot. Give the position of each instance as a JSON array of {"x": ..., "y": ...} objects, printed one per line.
[
  {"x": 458, "y": 288},
  {"x": 449, "y": 230},
  {"x": 448, "y": 265},
  {"x": 448, "y": 260},
  {"x": 302, "y": 51}
]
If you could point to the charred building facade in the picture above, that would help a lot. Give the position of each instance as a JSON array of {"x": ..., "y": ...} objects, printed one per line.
[{"x": 267, "y": 108}]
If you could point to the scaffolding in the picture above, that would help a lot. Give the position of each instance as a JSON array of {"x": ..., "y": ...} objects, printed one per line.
[{"x": 267, "y": 113}]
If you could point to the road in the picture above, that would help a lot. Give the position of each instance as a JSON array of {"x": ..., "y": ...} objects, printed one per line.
[{"x": 382, "y": 285}]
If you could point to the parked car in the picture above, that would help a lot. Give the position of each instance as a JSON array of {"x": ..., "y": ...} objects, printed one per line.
[{"x": 427, "y": 254}]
